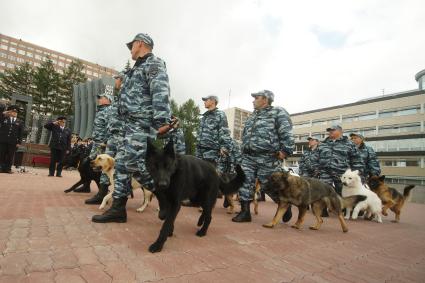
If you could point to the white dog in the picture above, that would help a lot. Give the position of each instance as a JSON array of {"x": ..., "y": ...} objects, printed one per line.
[
  {"x": 352, "y": 185},
  {"x": 106, "y": 164}
]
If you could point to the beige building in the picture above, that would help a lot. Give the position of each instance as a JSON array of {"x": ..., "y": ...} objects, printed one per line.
[
  {"x": 236, "y": 118},
  {"x": 14, "y": 52}
]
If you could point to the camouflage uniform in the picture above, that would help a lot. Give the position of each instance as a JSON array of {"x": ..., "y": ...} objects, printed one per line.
[
  {"x": 306, "y": 163},
  {"x": 370, "y": 161},
  {"x": 267, "y": 131},
  {"x": 213, "y": 135},
  {"x": 115, "y": 129},
  {"x": 227, "y": 163},
  {"x": 100, "y": 133},
  {"x": 144, "y": 107},
  {"x": 334, "y": 158},
  {"x": 177, "y": 136}
]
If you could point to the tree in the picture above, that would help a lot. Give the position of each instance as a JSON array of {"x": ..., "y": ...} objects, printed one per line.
[
  {"x": 19, "y": 80},
  {"x": 188, "y": 114},
  {"x": 47, "y": 83},
  {"x": 127, "y": 66},
  {"x": 72, "y": 75}
]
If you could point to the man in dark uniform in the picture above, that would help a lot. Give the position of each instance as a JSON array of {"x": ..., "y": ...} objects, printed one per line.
[
  {"x": 60, "y": 144},
  {"x": 11, "y": 132}
]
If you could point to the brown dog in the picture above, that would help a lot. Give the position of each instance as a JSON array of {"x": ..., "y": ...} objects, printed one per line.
[
  {"x": 390, "y": 197},
  {"x": 302, "y": 192}
]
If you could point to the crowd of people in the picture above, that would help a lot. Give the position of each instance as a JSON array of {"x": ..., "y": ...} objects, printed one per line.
[{"x": 138, "y": 109}]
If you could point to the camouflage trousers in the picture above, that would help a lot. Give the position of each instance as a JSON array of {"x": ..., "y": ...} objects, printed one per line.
[
  {"x": 261, "y": 167},
  {"x": 333, "y": 180},
  {"x": 130, "y": 161},
  {"x": 113, "y": 144},
  {"x": 211, "y": 155}
]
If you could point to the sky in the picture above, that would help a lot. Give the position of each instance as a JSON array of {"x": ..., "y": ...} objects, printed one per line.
[{"x": 311, "y": 54}]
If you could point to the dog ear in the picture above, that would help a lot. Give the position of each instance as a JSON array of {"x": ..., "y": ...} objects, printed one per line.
[
  {"x": 169, "y": 148},
  {"x": 356, "y": 172},
  {"x": 150, "y": 150},
  {"x": 382, "y": 178}
]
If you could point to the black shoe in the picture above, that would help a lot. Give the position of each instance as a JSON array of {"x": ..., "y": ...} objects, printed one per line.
[
  {"x": 59, "y": 176},
  {"x": 98, "y": 198},
  {"x": 83, "y": 189},
  {"x": 288, "y": 215},
  {"x": 117, "y": 212},
  {"x": 50, "y": 175},
  {"x": 245, "y": 214}
]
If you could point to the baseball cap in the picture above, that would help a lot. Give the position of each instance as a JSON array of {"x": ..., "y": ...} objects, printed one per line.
[
  {"x": 142, "y": 37},
  {"x": 108, "y": 93},
  {"x": 265, "y": 93},
  {"x": 210, "y": 97},
  {"x": 334, "y": 127}
]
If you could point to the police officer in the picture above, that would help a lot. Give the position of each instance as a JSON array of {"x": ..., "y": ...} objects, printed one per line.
[
  {"x": 213, "y": 137},
  {"x": 145, "y": 109},
  {"x": 370, "y": 161},
  {"x": 305, "y": 164},
  {"x": 266, "y": 138},
  {"x": 60, "y": 144},
  {"x": 110, "y": 128},
  {"x": 11, "y": 132},
  {"x": 335, "y": 155}
]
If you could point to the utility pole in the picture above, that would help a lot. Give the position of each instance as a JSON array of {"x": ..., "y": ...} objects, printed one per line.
[{"x": 228, "y": 103}]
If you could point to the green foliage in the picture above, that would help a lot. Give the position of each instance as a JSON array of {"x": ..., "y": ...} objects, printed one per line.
[
  {"x": 50, "y": 90},
  {"x": 127, "y": 66},
  {"x": 188, "y": 114}
]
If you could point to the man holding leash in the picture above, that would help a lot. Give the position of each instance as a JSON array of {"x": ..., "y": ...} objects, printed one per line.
[
  {"x": 266, "y": 139},
  {"x": 145, "y": 109},
  {"x": 370, "y": 161},
  {"x": 11, "y": 132},
  {"x": 335, "y": 155}
]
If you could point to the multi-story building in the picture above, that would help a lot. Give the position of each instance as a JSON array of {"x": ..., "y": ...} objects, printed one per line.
[
  {"x": 14, "y": 52},
  {"x": 392, "y": 124}
]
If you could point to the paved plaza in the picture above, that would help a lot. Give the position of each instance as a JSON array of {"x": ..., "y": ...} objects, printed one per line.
[{"x": 47, "y": 236}]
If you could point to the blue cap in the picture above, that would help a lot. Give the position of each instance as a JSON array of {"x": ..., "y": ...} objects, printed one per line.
[
  {"x": 357, "y": 135},
  {"x": 210, "y": 97},
  {"x": 108, "y": 93},
  {"x": 265, "y": 93},
  {"x": 334, "y": 127},
  {"x": 142, "y": 37}
]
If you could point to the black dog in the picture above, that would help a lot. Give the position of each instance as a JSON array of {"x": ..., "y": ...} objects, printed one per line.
[
  {"x": 179, "y": 177},
  {"x": 87, "y": 175}
]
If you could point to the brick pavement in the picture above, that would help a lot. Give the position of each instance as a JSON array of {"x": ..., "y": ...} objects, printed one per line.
[{"x": 47, "y": 236}]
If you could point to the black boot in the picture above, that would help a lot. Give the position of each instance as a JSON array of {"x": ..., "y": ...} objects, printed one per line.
[
  {"x": 98, "y": 198},
  {"x": 245, "y": 214},
  {"x": 288, "y": 215},
  {"x": 325, "y": 212},
  {"x": 83, "y": 189},
  {"x": 226, "y": 203},
  {"x": 117, "y": 212},
  {"x": 262, "y": 196}
]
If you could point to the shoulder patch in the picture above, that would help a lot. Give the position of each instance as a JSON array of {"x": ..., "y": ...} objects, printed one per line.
[{"x": 153, "y": 71}]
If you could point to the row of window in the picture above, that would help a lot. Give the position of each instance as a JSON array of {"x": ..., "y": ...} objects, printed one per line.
[
  {"x": 401, "y": 163},
  {"x": 385, "y": 113},
  {"x": 370, "y": 131}
]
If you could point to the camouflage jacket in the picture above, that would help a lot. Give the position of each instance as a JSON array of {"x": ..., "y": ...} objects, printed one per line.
[
  {"x": 268, "y": 130},
  {"x": 145, "y": 93},
  {"x": 370, "y": 161},
  {"x": 335, "y": 157},
  {"x": 213, "y": 132},
  {"x": 177, "y": 136},
  {"x": 100, "y": 133},
  {"x": 306, "y": 163}
]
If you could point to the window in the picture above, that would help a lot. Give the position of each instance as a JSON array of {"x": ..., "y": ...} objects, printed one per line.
[
  {"x": 10, "y": 57},
  {"x": 3, "y": 55},
  {"x": 22, "y": 52},
  {"x": 13, "y": 49},
  {"x": 358, "y": 117},
  {"x": 61, "y": 58},
  {"x": 2, "y": 63},
  {"x": 96, "y": 74},
  {"x": 10, "y": 65},
  {"x": 13, "y": 43},
  {"x": 38, "y": 57},
  {"x": 301, "y": 124},
  {"x": 30, "y": 48},
  {"x": 335, "y": 120},
  {"x": 403, "y": 128},
  {"x": 61, "y": 64},
  {"x": 4, "y": 40},
  {"x": 20, "y": 60},
  {"x": 318, "y": 122},
  {"x": 367, "y": 116},
  {"x": 54, "y": 55},
  {"x": 401, "y": 163},
  {"x": 410, "y": 110},
  {"x": 30, "y": 54},
  {"x": 37, "y": 64},
  {"x": 2, "y": 46}
]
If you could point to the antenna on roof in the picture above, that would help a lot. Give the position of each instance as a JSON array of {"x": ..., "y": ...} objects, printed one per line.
[
  {"x": 383, "y": 91},
  {"x": 228, "y": 103}
]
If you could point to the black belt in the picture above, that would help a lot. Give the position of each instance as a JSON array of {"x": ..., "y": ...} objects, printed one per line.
[
  {"x": 256, "y": 152},
  {"x": 207, "y": 148}
]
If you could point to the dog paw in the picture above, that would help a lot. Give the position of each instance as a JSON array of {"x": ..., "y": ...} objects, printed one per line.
[
  {"x": 268, "y": 225},
  {"x": 347, "y": 217},
  {"x": 394, "y": 221},
  {"x": 201, "y": 233},
  {"x": 313, "y": 228},
  {"x": 155, "y": 247},
  {"x": 295, "y": 226},
  {"x": 384, "y": 213},
  {"x": 140, "y": 209}
]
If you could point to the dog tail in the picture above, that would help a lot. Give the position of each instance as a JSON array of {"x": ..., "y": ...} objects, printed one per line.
[
  {"x": 351, "y": 201},
  {"x": 233, "y": 186},
  {"x": 406, "y": 192}
]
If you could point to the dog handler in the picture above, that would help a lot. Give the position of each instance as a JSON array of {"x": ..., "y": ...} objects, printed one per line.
[
  {"x": 370, "y": 161},
  {"x": 145, "y": 108},
  {"x": 266, "y": 138}
]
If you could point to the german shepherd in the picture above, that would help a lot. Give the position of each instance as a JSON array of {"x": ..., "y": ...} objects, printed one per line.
[
  {"x": 302, "y": 192},
  {"x": 178, "y": 177},
  {"x": 86, "y": 176},
  {"x": 390, "y": 197}
]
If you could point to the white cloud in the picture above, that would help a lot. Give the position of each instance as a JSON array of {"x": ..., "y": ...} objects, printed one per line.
[{"x": 214, "y": 46}]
